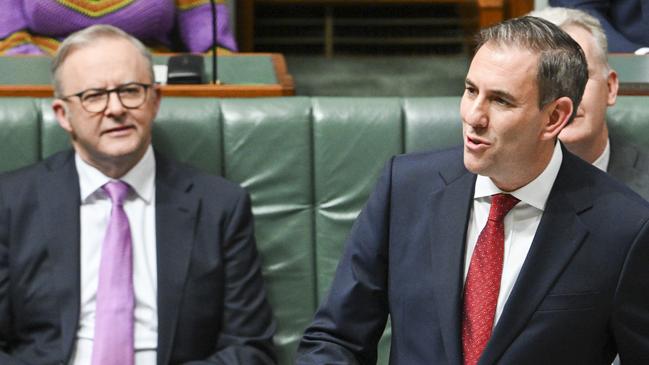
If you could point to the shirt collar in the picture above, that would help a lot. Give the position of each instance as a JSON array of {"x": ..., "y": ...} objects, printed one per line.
[
  {"x": 602, "y": 161},
  {"x": 535, "y": 193},
  {"x": 140, "y": 178}
]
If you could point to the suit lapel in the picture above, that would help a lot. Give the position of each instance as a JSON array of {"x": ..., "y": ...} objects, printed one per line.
[
  {"x": 450, "y": 207},
  {"x": 558, "y": 237},
  {"x": 176, "y": 212},
  {"x": 59, "y": 192}
]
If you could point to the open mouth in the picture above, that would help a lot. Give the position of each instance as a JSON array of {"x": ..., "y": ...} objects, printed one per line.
[{"x": 475, "y": 142}]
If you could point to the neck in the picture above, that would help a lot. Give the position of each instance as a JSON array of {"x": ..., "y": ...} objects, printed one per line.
[
  {"x": 113, "y": 167},
  {"x": 511, "y": 184},
  {"x": 114, "y": 172},
  {"x": 589, "y": 151},
  {"x": 519, "y": 176}
]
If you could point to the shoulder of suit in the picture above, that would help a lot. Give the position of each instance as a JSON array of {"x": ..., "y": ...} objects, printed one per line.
[
  {"x": 445, "y": 156},
  {"x": 427, "y": 169},
  {"x": 629, "y": 163},
  {"x": 448, "y": 160},
  {"x": 628, "y": 155},
  {"x": 23, "y": 183},
  {"x": 606, "y": 186},
  {"x": 200, "y": 180},
  {"x": 36, "y": 170}
]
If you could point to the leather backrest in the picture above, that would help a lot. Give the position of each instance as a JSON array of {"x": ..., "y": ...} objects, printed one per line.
[{"x": 308, "y": 163}]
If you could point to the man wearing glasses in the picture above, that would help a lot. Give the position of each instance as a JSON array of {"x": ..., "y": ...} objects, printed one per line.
[{"x": 113, "y": 254}]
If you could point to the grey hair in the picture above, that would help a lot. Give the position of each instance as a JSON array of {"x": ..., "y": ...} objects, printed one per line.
[
  {"x": 562, "y": 69},
  {"x": 86, "y": 37},
  {"x": 567, "y": 17}
]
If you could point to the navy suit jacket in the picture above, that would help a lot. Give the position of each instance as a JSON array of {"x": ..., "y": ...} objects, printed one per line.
[
  {"x": 630, "y": 164},
  {"x": 626, "y": 22},
  {"x": 212, "y": 306},
  {"x": 581, "y": 295}
]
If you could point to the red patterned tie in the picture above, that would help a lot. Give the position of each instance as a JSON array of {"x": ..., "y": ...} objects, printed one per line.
[{"x": 483, "y": 280}]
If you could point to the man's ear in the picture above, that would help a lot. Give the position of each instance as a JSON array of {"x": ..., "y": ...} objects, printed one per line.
[
  {"x": 613, "y": 86},
  {"x": 61, "y": 113},
  {"x": 559, "y": 113},
  {"x": 157, "y": 95}
]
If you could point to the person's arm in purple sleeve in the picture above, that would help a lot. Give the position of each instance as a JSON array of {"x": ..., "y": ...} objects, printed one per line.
[
  {"x": 14, "y": 33},
  {"x": 600, "y": 9},
  {"x": 195, "y": 25}
]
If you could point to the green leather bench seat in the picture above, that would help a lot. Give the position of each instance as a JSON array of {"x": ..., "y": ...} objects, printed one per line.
[{"x": 308, "y": 163}]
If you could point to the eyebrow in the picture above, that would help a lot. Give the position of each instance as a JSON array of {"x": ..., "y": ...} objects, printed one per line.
[{"x": 499, "y": 93}]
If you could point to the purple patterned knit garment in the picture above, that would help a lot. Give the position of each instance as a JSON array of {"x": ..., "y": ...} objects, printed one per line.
[{"x": 151, "y": 21}]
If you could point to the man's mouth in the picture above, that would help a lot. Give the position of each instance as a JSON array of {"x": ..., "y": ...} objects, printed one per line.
[
  {"x": 473, "y": 142},
  {"x": 118, "y": 130}
]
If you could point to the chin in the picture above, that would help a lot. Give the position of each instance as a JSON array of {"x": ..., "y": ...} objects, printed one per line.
[
  {"x": 123, "y": 153},
  {"x": 473, "y": 165}
]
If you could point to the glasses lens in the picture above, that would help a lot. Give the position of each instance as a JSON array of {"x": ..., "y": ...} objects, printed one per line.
[
  {"x": 94, "y": 101},
  {"x": 132, "y": 95}
]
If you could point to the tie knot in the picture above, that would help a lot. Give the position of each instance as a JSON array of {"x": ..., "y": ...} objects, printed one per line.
[
  {"x": 501, "y": 204},
  {"x": 117, "y": 191}
]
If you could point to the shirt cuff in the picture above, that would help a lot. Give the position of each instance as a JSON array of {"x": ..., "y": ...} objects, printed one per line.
[{"x": 642, "y": 51}]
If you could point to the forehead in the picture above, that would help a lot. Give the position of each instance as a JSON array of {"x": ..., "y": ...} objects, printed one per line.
[
  {"x": 105, "y": 63},
  {"x": 512, "y": 69},
  {"x": 587, "y": 43}
]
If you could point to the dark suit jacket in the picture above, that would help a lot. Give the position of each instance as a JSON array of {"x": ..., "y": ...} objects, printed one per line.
[
  {"x": 580, "y": 297},
  {"x": 626, "y": 22},
  {"x": 212, "y": 306},
  {"x": 629, "y": 164}
]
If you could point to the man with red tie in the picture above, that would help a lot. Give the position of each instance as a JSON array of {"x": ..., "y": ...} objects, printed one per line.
[
  {"x": 507, "y": 250},
  {"x": 112, "y": 254}
]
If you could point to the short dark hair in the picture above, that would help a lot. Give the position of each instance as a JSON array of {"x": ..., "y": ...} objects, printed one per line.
[{"x": 562, "y": 69}]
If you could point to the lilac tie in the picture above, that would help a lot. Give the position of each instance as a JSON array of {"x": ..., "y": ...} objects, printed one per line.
[{"x": 113, "y": 342}]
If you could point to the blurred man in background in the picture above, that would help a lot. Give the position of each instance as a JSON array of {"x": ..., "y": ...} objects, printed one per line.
[{"x": 588, "y": 136}]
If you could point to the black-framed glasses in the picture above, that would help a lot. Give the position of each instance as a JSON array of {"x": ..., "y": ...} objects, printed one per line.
[{"x": 131, "y": 95}]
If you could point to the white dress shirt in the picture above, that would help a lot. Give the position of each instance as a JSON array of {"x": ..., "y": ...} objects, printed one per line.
[
  {"x": 94, "y": 214},
  {"x": 520, "y": 223},
  {"x": 642, "y": 51},
  {"x": 602, "y": 161}
]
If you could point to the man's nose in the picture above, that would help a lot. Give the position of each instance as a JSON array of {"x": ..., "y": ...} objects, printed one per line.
[
  {"x": 477, "y": 116},
  {"x": 114, "y": 106}
]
